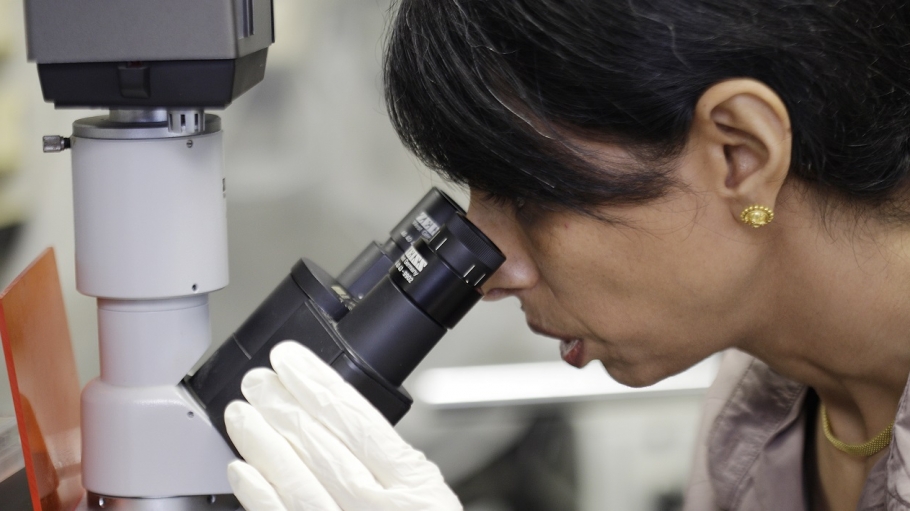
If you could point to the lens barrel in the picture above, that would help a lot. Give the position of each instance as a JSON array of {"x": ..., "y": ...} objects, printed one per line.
[
  {"x": 428, "y": 290},
  {"x": 442, "y": 275},
  {"x": 422, "y": 222}
]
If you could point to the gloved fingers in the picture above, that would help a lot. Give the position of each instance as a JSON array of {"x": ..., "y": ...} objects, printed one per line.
[
  {"x": 343, "y": 476},
  {"x": 266, "y": 450},
  {"x": 351, "y": 418},
  {"x": 295, "y": 360},
  {"x": 251, "y": 489}
]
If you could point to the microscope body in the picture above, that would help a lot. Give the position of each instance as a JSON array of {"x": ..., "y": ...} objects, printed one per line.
[
  {"x": 150, "y": 224},
  {"x": 151, "y": 243}
]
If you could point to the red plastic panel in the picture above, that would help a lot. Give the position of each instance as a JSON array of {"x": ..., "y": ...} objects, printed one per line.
[{"x": 45, "y": 386}]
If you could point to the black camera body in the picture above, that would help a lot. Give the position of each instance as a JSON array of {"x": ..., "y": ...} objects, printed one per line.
[{"x": 375, "y": 322}]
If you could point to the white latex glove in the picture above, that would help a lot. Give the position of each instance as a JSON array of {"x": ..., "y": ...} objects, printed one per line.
[{"x": 312, "y": 442}]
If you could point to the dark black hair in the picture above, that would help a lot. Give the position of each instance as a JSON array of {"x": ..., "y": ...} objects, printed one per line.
[{"x": 489, "y": 92}]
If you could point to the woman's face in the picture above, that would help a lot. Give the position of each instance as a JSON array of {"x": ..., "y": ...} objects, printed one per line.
[
  {"x": 675, "y": 279},
  {"x": 650, "y": 296}
]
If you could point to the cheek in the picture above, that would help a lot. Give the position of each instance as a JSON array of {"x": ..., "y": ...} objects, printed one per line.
[
  {"x": 637, "y": 286},
  {"x": 653, "y": 300}
]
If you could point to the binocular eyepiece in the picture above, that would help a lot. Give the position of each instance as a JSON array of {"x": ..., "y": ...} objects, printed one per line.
[
  {"x": 376, "y": 321},
  {"x": 427, "y": 290}
]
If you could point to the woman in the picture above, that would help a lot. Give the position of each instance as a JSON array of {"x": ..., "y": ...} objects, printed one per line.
[{"x": 673, "y": 178}]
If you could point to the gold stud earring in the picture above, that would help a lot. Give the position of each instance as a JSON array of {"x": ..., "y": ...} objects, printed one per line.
[{"x": 757, "y": 216}]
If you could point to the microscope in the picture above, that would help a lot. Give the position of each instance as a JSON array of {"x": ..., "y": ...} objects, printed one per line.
[{"x": 151, "y": 243}]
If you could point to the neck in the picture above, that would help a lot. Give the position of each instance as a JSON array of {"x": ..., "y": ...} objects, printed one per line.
[{"x": 839, "y": 319}]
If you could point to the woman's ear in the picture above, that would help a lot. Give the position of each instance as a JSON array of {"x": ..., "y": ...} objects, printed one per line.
[{"x": 741, "y": 134}]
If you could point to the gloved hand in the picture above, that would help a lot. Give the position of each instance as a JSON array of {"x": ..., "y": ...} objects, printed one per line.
[{"x": 312, "y": 442}]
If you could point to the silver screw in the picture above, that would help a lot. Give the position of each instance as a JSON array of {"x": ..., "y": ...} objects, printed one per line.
[
  {"x": 189, "y": 144},
  {"x": 55, "y": 143}
]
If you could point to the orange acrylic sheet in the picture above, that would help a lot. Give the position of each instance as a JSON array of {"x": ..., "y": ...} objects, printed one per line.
[{"x": 44, "y": 383}]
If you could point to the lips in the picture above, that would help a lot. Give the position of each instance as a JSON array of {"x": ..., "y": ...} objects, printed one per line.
[{"x": 572, "y": 349}]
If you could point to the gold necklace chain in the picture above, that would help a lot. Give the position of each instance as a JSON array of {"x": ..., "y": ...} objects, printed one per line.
[{"x": 865, "y": 450}]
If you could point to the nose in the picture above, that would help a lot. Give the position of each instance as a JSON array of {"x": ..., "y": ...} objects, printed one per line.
[{"x": 499, "y": 223}]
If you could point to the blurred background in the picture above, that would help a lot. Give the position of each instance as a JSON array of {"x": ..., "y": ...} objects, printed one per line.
[{"x": 314, "y": 169}]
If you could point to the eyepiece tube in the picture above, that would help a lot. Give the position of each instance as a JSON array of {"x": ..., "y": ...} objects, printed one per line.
[
  {"x": 428, "y": 290},
  {"x": 375, "y": 342}
]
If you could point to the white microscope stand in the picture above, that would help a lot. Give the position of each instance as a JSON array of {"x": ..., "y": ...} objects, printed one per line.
[{"x": 151, "y": 243}]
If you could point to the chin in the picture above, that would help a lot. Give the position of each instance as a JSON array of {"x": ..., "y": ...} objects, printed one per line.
[{"x": 636, "y": 375}]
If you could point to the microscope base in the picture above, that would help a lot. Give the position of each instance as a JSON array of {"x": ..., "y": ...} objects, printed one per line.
[
  {"x": 95, "y": 502},
  {"x": 149, "y": 442}
]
